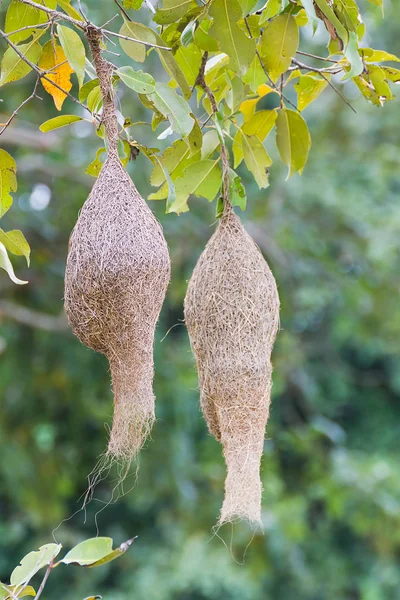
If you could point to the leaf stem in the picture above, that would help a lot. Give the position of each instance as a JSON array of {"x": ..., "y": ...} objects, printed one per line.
[{"x": 44, "y": 580}]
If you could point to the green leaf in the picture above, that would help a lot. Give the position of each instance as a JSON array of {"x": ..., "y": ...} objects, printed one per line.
[
  {"x": 173, "y": 10},
  {"x": 293, "y": 140},
  {"x": 310, "y": 11},
  {"x": 87, "y": 88},
  {"x": 138, "y": 51},
  {"x": 15, "y": 243},
  {"x": 21, "y": 15},
  {"x": 204, "y": 40},
  {"x": 271, "y": 9},
  {"x": 247, "y": 6},
  {"x": 392, "y": 74},
  {"x": 94, "y": 100},
  {"x": 255, "y": 75},
  {"x": 74, "y": 50},
  {"x": 187, "y": 36},
  {"x": 95, "y": 166},
  {"x": 174, "y": 107},
  {"x": 210, "y": 143},
  {"x": 95, "y": 552},
  {"x": 189, "y": 60},
  {"x": 140, "y": 82},
  {"x": 33, "y": 562},
  {"x": 260, "y": 124},
  {"x": 8, "y": 592},
  {"x": 353, "y": 56},
  {"x": 12, "y": 65},
  {"x": 278, "y": 45},
  {"x": 257, "y": 159},
  {"x": 328, "y": 12},
  {"x": 232, "y": 40},
  {"x": 66, "y": 6},
  {"x": 308, "y": 88},
  {"x": 134, "y": 4},
  {"x": 237, "y": 192},
  {"x": 58, "y": 122},
  {"x": 139, "y": 32},
  {"x": 237, "y": 147},
  {"x": 202, "y": 178},
  {"x": 370, "y": 55},
  {"x": 8, "y": 181}
]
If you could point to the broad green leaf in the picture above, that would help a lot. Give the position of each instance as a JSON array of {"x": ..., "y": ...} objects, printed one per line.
[
  {"x": 308, "y": 88},
  {"x": 204, "y": 40},
  {"x": 94, "y": 100},
  {"x": 310, "y": 10},
  {"x": 232, "y": 40},
  {"x": 189, "y": 60},
  {"x": 353, "y": 56},
  {"x": 195, "y": 139},
  {"x": 293, "y": 140},
  {"x": 138, "y": 51},
  {"x": 95, "y": 166},
  {"x": 21, "y": 15},
  {"x": 172, "y": 11},
  {"x": 89, "y": 551},
  {"x": 279, "y": 44},
  {"x": 34, "y": 561},
  {"x": 74, "y": 50},
  {"x": 87, "y": 88},
  {"x": 255, "y": 75},
  {"x": 370, "y": 55},
  {"x": 210, "y": 143},
  {"x": 270, "y": 10},
  {"x": 95, "y": 552},
  {"x": 136, "y": 31},
  {"x": 170, "y": 159},
  {"x": 235, "y": 93},
  {"x": 331, "y": 21},
  {"x": 174, "y": 107},
  {"x": 260, "y": 124},
  {"x": 187, "y": 36},
  {"x": 134, "y": 4},
  {"x": 8, "y": 181},
  {"x": 58, "y": 122},
  {"x": 247, "y": 6},
  {"x": 392, "y": 74},
  {"x": 201, "y": 178},
  {"x": 8, "y": 592},
  {"x": 12, "y": 65},
  {"x": 66, "y": 6},
  {"x": 5, "y": 264},
  {"x": 237, "y": 192},
  {"x": 377, "y": 77},
  {"x": 237, "y": 148},
  {"x": 257, "y": 159},
  {"x": 15, "y": 243},
  {"x": 140, "y": 82}
]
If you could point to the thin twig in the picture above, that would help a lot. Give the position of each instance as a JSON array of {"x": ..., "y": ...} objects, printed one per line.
[
  {"x": 131, "y": 39},
  {"x": 44, "y": 580},
  {"x": 317, "y": 57},
  {"x": 29, "y": 27},
  {"x": 55, "y": 13},
  {"x": 313, "y": 69},
  {"x": 123, "y": 11},
  {"x": 16, "y": 111}
]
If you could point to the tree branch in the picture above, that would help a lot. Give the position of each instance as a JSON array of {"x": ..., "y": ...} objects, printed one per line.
[
  {"x": 32, "y": 318},
  {"x": 201, "y": 81},
  {"x": 16, "y": 111},
  {"x": 44, "y": 580}
]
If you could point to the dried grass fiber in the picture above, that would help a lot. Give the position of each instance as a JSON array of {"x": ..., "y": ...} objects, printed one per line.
[{"x": 232, "y": 316}]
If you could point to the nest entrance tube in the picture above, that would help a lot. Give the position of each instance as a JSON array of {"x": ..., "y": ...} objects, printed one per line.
[
  {"x": 232, "y": 316},
  {"x": 117, "y": 274}
]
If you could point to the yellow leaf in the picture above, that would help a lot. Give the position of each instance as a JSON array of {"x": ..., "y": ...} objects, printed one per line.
[{"x": 54, "y": 59}]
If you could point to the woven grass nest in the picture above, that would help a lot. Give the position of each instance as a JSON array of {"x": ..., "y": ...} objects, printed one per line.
[
  {"x": 232, "y": 316},
  {"x": 118, "y": 270}
]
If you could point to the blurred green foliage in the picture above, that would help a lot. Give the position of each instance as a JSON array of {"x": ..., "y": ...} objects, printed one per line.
[{"x": 331, "y": 469}]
